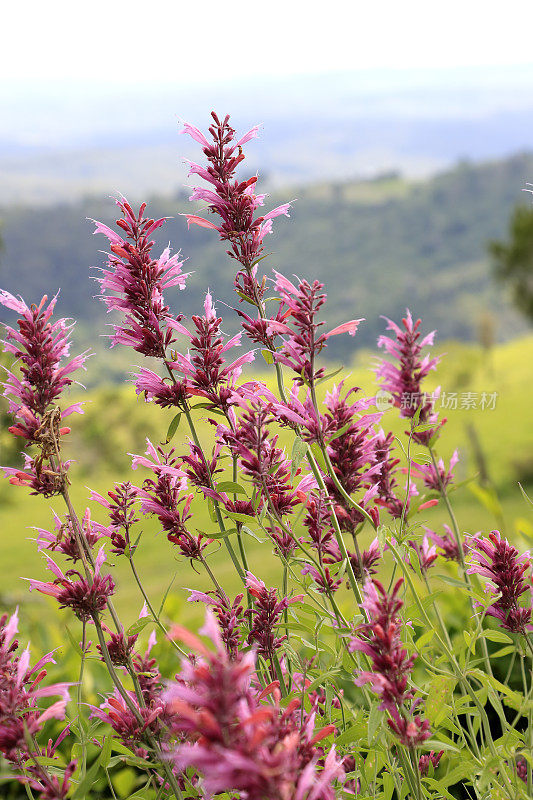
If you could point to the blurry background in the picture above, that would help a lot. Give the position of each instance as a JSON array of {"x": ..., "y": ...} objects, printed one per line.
[{"x": 404, "y": 131}]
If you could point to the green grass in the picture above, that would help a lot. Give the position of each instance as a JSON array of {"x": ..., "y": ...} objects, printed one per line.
[{"x": 116, "y": 422}]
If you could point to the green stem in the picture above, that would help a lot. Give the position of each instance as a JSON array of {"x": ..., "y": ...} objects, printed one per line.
[
  {"x": 79, "y": 702},
  {"x": 149, "y": 605},
  {"x": 220, "y": 521},
  {"x": 459, "y": 541}
]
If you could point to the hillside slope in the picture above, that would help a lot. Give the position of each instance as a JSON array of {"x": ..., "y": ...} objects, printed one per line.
[{"x": 380, "y": 246}]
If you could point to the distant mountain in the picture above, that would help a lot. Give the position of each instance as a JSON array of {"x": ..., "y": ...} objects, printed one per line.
[
  {"x": 63, "y": 142},
  {"x": 379, "y": 245}
]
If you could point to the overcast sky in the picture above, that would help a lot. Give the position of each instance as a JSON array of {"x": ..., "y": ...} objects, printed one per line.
[{"x": 198, "y": 41}]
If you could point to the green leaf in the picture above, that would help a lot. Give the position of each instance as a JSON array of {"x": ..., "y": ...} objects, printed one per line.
[
  {"x": 497, "y": 636},
  {"x": 249, "y": 532},
  {"x": 237, "y": 517},
  {"x": 91, "y": 776},
  {"x": 341, "y": 431},
  {"x": 452, "y": 581},
  {"x": 163, "y": 601},
  {"x": 267, "y": 355},
  {"x": 527, "y": 498},
  {"x": 173, "y": 427},
  {"x": 218, "y": 534},
  {"x": 350, "y": 734},
  {"x": 438, "y": 701},
  {"x": 319, "y": 456},
  {"x": 231, "y": 487},
  {"x": 329, "y": 376},
  {"x": 105, "y": 755},
  {"x": 299, "y": 450},
  {"x": 138, "y": 626}
]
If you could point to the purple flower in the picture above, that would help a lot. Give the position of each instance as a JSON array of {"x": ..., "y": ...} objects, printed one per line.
[
  {"x": 265, "y": 616},
  {"x": 436, "y": 479},
  {"x": 87, "y": 597},
  {"x": 429, "y": 759},
  {"x": 205, "y": 369},
  {"x": 41, "y": 347},
  {"x": 496, "y": 559},
  {"x": 365, "y": 567},
  {"x": 121, "y": 515},
  {"x": 21, "y": 690},
  {"x": 232, "y": 201},
  {"x": 385, "y": 479},
  {"x": 380, "y": 640},
  {"x": 447, "y": 543},
  {"x": 165, "y": 497},
  {"x": 119, "y": 646},
  {"x": 325, "y": 582},
  {"x": 229, "y": 616},
  {"x": 138, "y": 281},
  {"x": 259, "y": 457},
  {"x": 351, "y": 451},
  {"x": 426, "y": 553},
  {"x": 118, "y": 714},
  {"x": 238, "y": 736},
  {"x": 64, "y": 539},
  {"x": 302, "y": 342},
  {"x": 404, "y": 381}
]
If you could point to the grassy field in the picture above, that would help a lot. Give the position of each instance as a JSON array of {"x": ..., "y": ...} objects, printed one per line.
[{"x": 116, "y": 423}]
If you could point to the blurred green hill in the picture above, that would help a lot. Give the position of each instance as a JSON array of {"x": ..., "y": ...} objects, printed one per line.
[{"x": 380, "y": 245}]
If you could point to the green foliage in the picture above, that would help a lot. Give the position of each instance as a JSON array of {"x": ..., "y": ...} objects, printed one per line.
[{"x": 513, "y": 260}]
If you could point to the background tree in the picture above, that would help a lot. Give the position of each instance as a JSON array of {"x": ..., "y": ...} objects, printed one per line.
[{"x": 513, "y": 260}]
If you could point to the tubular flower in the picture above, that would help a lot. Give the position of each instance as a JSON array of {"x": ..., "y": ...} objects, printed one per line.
[
  {"x": 41, "y": 347},
  {"x": 64, "y": 540},
  {"x": 229, "y": 616},
  {"x": 366, "y": 566},
  {"x": 120, "y": 506},
  {"x": 429, "y": 759},
  {"x": 87, "y": 597},
  {"x": 496, "y": 559},
  {"x": 260, "y": 458},
  {"x": 405, "y": 380},
  {"x": 240, "y": 738},
  {"x": 204, "y": 368},
  {"x": 385, "y": 479},
  {"x": 165, "y": 497},
  {"x": 127, "y": 724},
  {"x": 380, "y": 640},
  {"x": 447, "y": 543},
  {"x": 426, "y": 554},
  {"x": 232, "y": 201},
  {"x": 436, "y": 479},
  {"x": 302, "y": 344},
  {"x": 138, "y": 282},
  {"x": 20, "y": 718},
  {"x": 265, "y": 616},
  {"x": 351, "y": 434}
]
